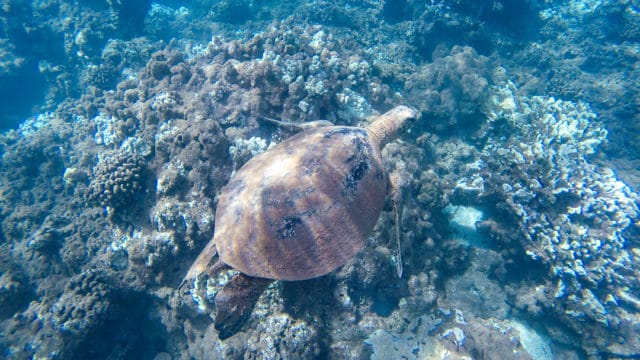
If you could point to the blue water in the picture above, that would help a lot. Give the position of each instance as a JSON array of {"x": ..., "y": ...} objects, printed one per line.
[{"x": 121, "y": 122}]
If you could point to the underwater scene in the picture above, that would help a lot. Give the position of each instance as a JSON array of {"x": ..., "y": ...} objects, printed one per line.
[{"x": 343, "y": 179}]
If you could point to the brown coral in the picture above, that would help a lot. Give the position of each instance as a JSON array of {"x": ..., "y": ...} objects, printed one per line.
[{"x": 118, "y": 180}]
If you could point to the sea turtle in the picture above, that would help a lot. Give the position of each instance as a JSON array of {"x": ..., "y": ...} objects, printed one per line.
[{"x": 298, "y": 211}]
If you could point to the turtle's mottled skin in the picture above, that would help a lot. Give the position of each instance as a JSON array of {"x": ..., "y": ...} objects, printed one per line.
[{"x": 304, "y": 207}]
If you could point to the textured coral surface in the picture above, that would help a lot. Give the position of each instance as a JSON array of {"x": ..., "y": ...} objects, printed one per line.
[{"x": 520, "y": 219}]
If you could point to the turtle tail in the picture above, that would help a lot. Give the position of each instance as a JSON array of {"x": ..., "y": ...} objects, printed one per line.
[{"x": 235, "y": 302}]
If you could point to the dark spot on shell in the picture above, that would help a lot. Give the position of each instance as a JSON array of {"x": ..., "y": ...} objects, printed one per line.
[
  {"x": 360, "y": 164},
  {"x": 357, "y": 172},
  {"x": 288, "y": 226}
]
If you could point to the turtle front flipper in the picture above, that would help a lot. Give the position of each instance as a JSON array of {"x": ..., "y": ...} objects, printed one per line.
[
  {"x": 296, "y": 127},
  {"x": 397, "y": 183},
  {"x": 235, "y": 302}
]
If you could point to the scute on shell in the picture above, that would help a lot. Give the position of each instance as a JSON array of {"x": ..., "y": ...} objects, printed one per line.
[{"x": 303, "y": 208}]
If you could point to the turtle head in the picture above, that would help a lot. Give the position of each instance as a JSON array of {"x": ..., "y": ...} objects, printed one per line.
[{"x": 386, "y": 127}]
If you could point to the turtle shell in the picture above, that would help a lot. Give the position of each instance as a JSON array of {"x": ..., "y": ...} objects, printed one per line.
[{"x": 304, "y": 207}]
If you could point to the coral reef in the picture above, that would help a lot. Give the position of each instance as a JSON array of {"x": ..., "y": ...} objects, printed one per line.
[
  {"x": 56, "y": 49},
  {"x": 527, "y": 134},
  {"x": 14, "y": 291},
  {"x": 568, "y": 214},
  {"x": 84, "y": 304},
  {"x": 452, "y": 88},
  {"x": 285, "y": 337},
  {"x": 598, "y": 36}
]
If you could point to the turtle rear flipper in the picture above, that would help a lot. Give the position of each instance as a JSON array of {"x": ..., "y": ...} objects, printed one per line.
[
  {"x": 235, "y": 302},
  {"x": 203, "y": 262}
]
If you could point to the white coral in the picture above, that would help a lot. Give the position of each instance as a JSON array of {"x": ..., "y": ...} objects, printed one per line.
[
  {"x": 255, "y": 145},
  {"x": 583, "y": 237}
]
